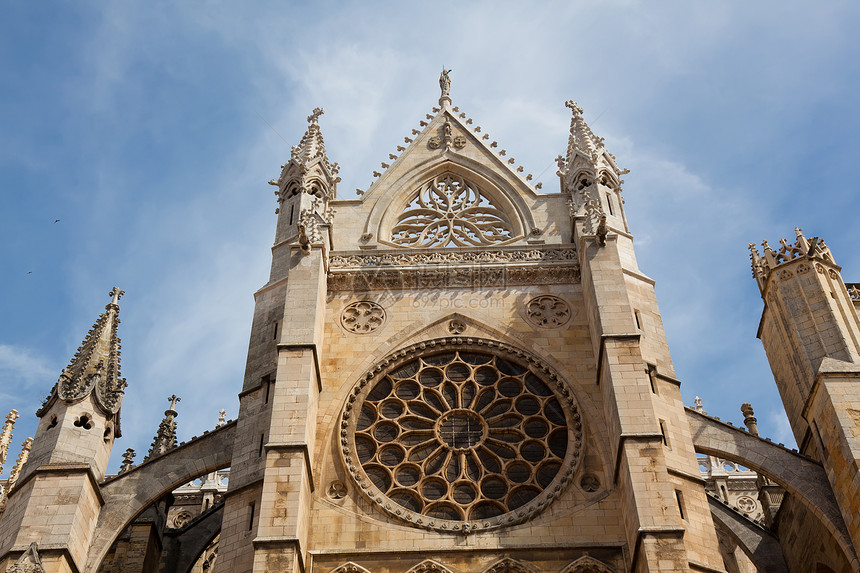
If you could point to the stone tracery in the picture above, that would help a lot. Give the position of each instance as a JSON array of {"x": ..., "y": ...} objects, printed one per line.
[
  {"x": 450, "y": 211},
  {"x": 460, "y": 437}
]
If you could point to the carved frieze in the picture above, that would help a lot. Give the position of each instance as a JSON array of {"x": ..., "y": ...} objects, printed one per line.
[
  {"x": 435, "y": 257},
  {"x": 451, "y": 277}
]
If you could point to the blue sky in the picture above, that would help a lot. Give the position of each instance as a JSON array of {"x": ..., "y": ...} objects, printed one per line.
[{"x": 150, "y": 130}]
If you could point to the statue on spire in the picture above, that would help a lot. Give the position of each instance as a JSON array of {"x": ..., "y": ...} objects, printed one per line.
[{"x": 445, "y": 82}]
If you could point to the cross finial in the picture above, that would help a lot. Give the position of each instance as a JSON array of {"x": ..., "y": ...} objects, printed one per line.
[
  {"x": 574, "y": 107},
  {"x": 173, "y": 400},
  {"x": 698, "y": 402},
  {"x": 222, "y": 417},
  {"x": 116, "y": 294},
  {"x": 315, "y": 115}
]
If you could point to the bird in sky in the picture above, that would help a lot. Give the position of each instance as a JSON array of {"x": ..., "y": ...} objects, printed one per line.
[{"x": 56, "y": 220}]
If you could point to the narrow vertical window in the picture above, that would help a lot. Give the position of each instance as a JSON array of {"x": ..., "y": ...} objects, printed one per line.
[
  {"x": 267, "y": 383},
  {"x": 609, "y": 203},
  {"x": 251, "y": 508},
  {"x": 652, "y": 374},
  {"x": 679, "y": 495},
  {"x": 638, "y": 319},
  {"x": 262, "y": 441},
  {"x": 665, "y": 434},
  {"x": 291, "y": 214},
  {"x": 275, "y": 331}
]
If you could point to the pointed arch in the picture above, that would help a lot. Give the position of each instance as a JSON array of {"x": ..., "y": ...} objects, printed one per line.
[
  {"x": 508, "y": 565},
  {"x": 491, "y": 184},
  {"x": 588, "y": 564},
  {"x": 349, "y": 567},
  {"x": 429, "y": 566}
]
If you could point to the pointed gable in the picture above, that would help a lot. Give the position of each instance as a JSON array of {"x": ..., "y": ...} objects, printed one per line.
[{"x": 451, "y": 187}]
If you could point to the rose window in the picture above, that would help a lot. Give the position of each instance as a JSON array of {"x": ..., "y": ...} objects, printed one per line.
[
  {"x": 450, "y": 211},
  {"x": 460, "y": 434}
]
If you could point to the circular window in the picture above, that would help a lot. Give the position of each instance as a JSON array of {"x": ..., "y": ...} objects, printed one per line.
[{"x": 461, "y": 434}]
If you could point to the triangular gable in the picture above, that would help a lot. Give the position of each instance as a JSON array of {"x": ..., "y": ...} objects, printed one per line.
[
  {"x": 449, "y": 168},
  {"x": 29, "y": 562},
  {"x": 458, "y": 140}
]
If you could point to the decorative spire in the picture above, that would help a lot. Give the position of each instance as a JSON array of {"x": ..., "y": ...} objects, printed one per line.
[
  {"x": 127, "y": 461},
  {"x": 165, "y": 438},
  {"x": 222, "y": 418},
  {"x": 6, "y": 436},
  {"x": 309, "y": 169},
  {"x": 698, "y": 402},
  {"x": 586, "y": 151},
  {"x": 95, "y": 367},
  {"x": 19, "y": 463}
]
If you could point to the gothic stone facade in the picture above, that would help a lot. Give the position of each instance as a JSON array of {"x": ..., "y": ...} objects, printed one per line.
[{"x": 459, "y": 372}]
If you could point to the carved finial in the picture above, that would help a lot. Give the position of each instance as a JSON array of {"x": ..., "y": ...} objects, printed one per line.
[
  {"x": 574, "y": 107},
  {"x": 698, "y": 402},
  {"x": 173, "y": 400},
  {"x": 127, "y": 461},
  {"x": 222, "y": 418},
  {"x": 6, "y": 436},
  {"x": 314, "y": 117},
  {"x": 116, "y": 294},
  {"x": 445, "y": 85},
  {"x": 749, "y": 419},
  {"x": 19, "y": 463}
]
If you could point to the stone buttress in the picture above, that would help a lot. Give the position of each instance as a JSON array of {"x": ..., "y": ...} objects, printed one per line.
[
  {"x": 271, "y": 483},
  {"x": 668, "y": 525}
]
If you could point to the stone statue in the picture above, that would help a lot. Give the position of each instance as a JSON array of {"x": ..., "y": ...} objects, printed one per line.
[{"x": 445, "y": 82}]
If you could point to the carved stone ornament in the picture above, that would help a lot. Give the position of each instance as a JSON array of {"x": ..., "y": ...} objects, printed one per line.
[
  {"x": 548, "y": 311},
  {"x": 746, "y": 504},
  {"x": 589, "y": 483},
  {"x": 349, "y": 567},
  {"x": 429, "y": 566},
  {"x": 181, "y": 519},
  {"x": 362, "y": 317},
  {"x": 452, "y": 269},
  {"x": 434, "y": 257},
  {"x": 456, "y": 327},
  {"x": 508, "y": 565},
  {"x": 461, "y": 434},
  {"x": 459, "y": 142},
  {"x": 482, "y": 277},
  {"x": 449, "y": 211},
  {"x": 29, "y": 562},
  {"x": 588, "y": 564},
  {"x": 434, "y": 142},
  {"x": 336, "y": 489},
  {"x": 785, "y": 274},
  {"x": 803, "y": 268}
]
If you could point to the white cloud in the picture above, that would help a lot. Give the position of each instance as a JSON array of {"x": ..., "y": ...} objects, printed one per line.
[{"x": 24, "y": 366}]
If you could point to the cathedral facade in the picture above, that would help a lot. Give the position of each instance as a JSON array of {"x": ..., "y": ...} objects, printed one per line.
[{"x": 458, "y": 372}]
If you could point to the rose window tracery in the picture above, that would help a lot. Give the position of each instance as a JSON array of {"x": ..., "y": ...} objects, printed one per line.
[
  {"x": 461, "y": 434},
  {"x": 450, "y": 211}
]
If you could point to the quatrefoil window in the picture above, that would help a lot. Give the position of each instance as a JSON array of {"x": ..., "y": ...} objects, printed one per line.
[{"x": 449, "y": 211}]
